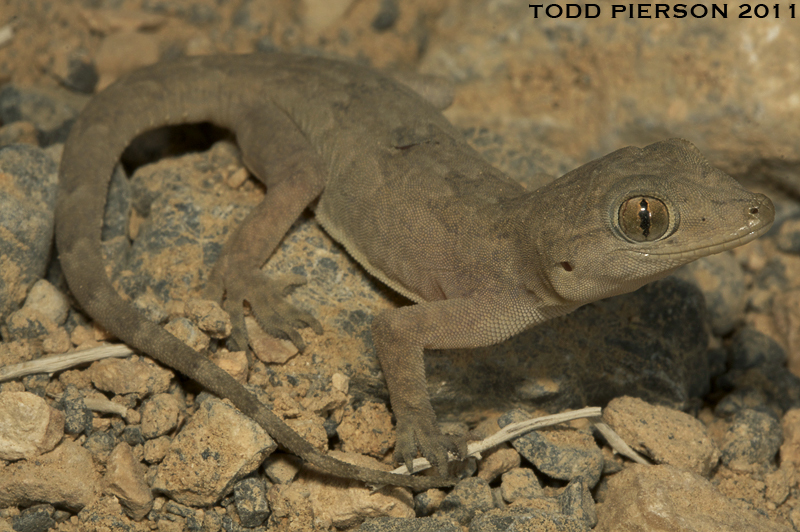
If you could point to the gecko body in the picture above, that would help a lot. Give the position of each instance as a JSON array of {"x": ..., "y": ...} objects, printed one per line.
[{"x": 409, "y": 199}]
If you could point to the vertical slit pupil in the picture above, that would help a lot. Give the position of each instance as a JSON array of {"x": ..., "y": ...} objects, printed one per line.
[{"x": 644, "y": 217}]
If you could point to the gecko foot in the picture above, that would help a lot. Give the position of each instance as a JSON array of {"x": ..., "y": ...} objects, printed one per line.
[
  {"x": 265, "y": 296},
  {"x": 427, "y": 438}
]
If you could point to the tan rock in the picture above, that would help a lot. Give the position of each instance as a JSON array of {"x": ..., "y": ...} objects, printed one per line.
[
  {"x": 367, "y": 430},
  {"x": 666, "y": 435},
  {"x": 497, "y": 461},
  {"x": 345, "y": 503},
  {"x": 664, "y": 498},
  {"x": 218, "y": 446},
  {"x": 123, "y": 52},
  {"x": 64, "y": 477},
  {"x": 267, "y": 348},
  {"x": 129, "y": 375},
  {"x": 160, "y": 415},
  {"x": 125, "y": 479},
  {"x": 790, "y": 448},
  {"x": 28, "y": 426}
]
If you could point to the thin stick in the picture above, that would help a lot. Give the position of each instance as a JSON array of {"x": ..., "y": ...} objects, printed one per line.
[
  {"x": 618, "y": 444},
  {"x": 509, "y": 432},
  {"x": 56, "y": 363}
]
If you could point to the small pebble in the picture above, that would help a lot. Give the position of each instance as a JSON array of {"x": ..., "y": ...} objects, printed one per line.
[
  {"x": 468, "y": 498},
  {"x": 251, "y": 501},
  {"x": 751, "y": 441},
  {"x": 28, "y": 426}
]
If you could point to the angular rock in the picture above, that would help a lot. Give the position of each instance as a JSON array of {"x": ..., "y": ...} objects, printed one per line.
[
  {"x": 663, "y": 498},
  {"x": 28, "y": 426},
  {"x": 251, "y": 502},
  {"x": 219, "y": 445},
  {"x": 125, "y": 479},
  {"x": 470, "y": 497},
  {"x": 187, "y": 212},
  {"x": 37, "y": 518},
  {"x": 45, "y": 298},
  {"x": 497, "y": 462},
  {"x": 65, "y": 477},
  {"x": 160, "y": 415},
  {"x": 77, "y": 417},
  {"x": 344, "y": 503},
  {"x": 101, "y": 444},
  {"x": 666, "y": 435},
  {"x": 520, "y": 483},
  {"x": 367, "y": 430},
  {"x": 576, "y": 501}
]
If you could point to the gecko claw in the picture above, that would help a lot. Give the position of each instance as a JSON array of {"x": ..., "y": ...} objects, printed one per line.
[
  {"x": 265, "y": 297},
  {"x": 426, "y": 438}
]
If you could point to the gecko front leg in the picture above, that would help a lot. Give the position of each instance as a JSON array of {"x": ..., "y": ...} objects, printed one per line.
[{"x": 400, "y": 336}]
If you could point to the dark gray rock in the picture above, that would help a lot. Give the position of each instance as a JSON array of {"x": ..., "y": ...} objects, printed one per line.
[
  {"x": 469, "y": 497},
  {"x": 100, "y": 444},
  {"x": 251, "y": 501},
  {"x": 526, "y": 519},
  {"x": 721, "y": 279},
  {"x": 743, "y": 399},
  {"x": 77, "y": 417},
  {"x": 751, "y": 348},
  {"x": 576, "y": 501},
  {"x": 52, "y": 111},
  {"x": 132, "y": 435},
  {"x": 425, "y": 503},
  {"x": 777, "y": 389},
  {"x": 37, "y": 518},
  {"x": 561, "y": 453},
  {"x": 398, "y": 524},
  {"x": 650, "y": 344},
  {"x": 81, "y": 74},
  {"x": 751, "y": 441},
  {"x": 26, "y": 216}
]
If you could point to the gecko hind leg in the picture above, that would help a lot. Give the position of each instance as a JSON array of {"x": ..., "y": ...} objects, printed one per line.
[{"x": 278, "y": 155}]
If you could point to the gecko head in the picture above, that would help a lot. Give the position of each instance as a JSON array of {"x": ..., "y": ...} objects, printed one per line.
[{"x": 637, "y": 214}]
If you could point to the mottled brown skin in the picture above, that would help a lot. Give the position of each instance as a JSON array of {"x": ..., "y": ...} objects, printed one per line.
[{"x": 408, "y": 198}]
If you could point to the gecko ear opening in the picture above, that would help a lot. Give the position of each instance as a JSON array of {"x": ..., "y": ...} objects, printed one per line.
[{"x": 567, "y": 266}]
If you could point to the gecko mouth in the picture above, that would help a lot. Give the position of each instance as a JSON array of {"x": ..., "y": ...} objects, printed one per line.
[
  {"x": 760, "y": 213},
  {"x": 735, "y": 240}
]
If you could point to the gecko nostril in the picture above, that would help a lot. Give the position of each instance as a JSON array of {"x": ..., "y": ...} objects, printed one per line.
[{"x": 753, "y": 210}]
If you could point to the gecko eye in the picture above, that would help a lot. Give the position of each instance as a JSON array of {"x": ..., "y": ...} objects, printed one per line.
[{"x": 643, "y": 218}]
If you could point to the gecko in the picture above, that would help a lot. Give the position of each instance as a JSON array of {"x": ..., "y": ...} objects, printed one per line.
[{"x": 395, "y": 183}]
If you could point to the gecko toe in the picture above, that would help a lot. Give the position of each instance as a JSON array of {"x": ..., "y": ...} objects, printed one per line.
[
  {"x": 427, "y": 439},
  {"x": 265, "y": 297}
]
